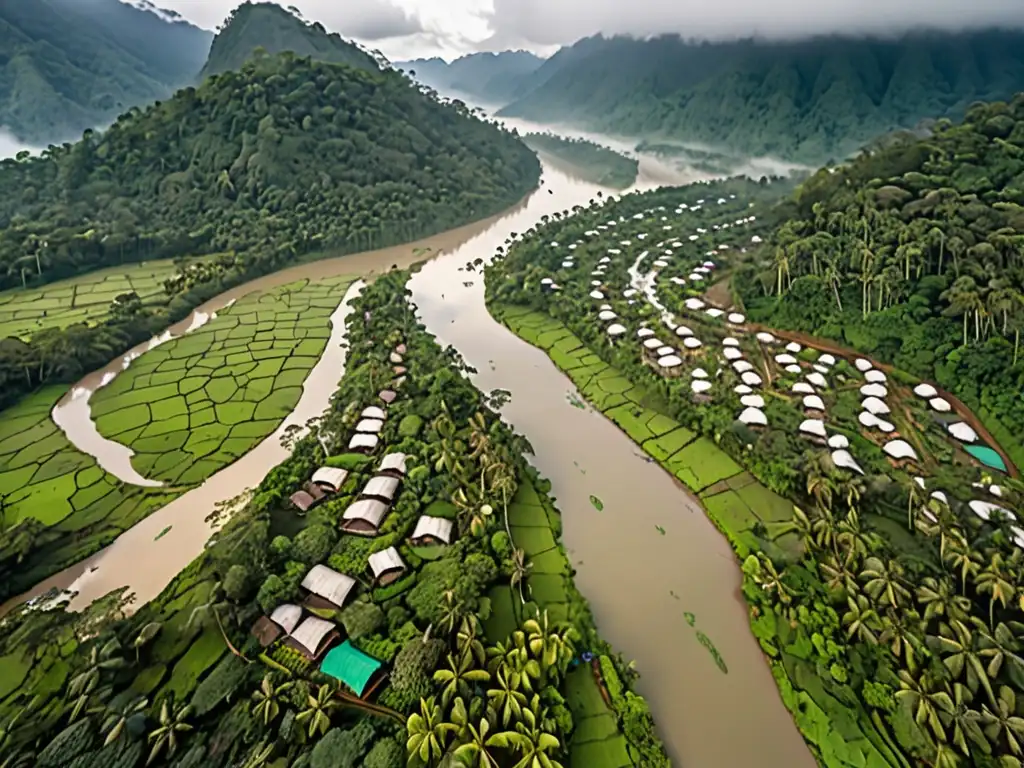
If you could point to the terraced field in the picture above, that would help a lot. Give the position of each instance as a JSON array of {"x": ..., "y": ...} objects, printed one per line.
[
  {"x": 84, "y": 299},
  {"x": 195, "y": 404}
]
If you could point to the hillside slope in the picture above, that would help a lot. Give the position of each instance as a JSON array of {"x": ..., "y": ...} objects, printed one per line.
[
  {"x": 809, "y": 101},
  {"x": 913, "y": 254},
  {"x": 69, "y": 65},
  {"x": 275, "y": 30},
  {"x": 491, "y": 77}
]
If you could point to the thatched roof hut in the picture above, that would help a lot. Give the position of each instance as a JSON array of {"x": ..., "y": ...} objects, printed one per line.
[
  {"x": 386, "y": 566},
  {"x": 393, "y": 464},
  {"x": 313, "y": 637},
  {"x": 266, "y": 631},
  {"x": 364, "y": 517},
  {"x": 383, "y": 487},
  {"x": 287, "y": 617},
  {"x": 432, "y": 530},
  {"x": 330, "y": 478},
  {"x": 332, "y": 588},
  {"x": 363, "y": 442},
  {"x": 302, "y": 501}
]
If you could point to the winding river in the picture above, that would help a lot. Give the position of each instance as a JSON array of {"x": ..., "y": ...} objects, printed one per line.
[{"x": 639, "y": 582}]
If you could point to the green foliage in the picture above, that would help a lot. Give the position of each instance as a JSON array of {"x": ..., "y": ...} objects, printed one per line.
[
  {"x": 411, "y": 673},
  {"x": 495, "y": 78},
  {"x": 597, "y": 164},
  {"x": 238, "y": 583},
  {"x": 501, "y": 546},
  {"x": 611, "y": 680},
  {"x": 361, "y": 618},
  {"x": 386, "y": 753},
  {"x": 753, "y": 96},
  {"x": 220, "y": 684},
  {"x": 73, "y": 741},
  {"x": 342, "y": 748},
  {"x": 410, "y": 425},
  {"x": 349, "y": 461},
  {"x": 273, "y": 592},
  {"x": 313, "y": 544}
]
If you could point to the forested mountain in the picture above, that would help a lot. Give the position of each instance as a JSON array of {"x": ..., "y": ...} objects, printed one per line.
[
  {"x": 275, "y": 30},
  {"x": 281, "y": 158},
  {"x": 495, "y": 78},
  {"x": 810, "y": 100},
  {"x": 914, "y": 254},
  {"x": 68, "y": 65}
]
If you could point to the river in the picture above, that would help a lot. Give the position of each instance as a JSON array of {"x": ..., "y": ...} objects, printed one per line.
[{"x": 638, "y": 581}]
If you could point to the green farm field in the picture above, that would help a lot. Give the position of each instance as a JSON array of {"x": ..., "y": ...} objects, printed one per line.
[
  {"x": 82, "y": 299},
  {"x": 198, "y": 403}
]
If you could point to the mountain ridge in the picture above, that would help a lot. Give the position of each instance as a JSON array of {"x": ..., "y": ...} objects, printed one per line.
[{"x": 495, "y": 77}]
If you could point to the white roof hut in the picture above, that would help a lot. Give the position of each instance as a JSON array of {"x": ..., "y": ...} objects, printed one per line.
[
  {"x": 874, "y": 390},
  {"x": 925, "y": 390},
  {"x": 713, "y": 312},
  {"x": 373, "y": 412},
  {"x": 364, "y": 517},
  {"x": 596, "y": 295},
  {"x": 817, "y": 379},
  {"x": 682, "y": 330},
  {"x": 940, "y": 496},
  {"x": 430, "y": 528},
  {"x": 826, "y": 359},
  {"x": 793, "y": 347},
  {"x": 382, "y": 487},
  {"x": 843, "y": 458},
  {"x": 328, "y": 584},
  {"x": 867, "y": 419},
  {"x": 629, "y": 293},
  {"x": 803, "y": 388},
  {"x": 313, "y": 636},
  {"x": 331, "y": 477},
  {"x": 731, "y": 353},
  {"x": 885, "y": 426},
  {"x": 875, "y": 377},
  {"x": 820, "y": 368},
  {"x": 751, "y": 378},
  {"x": 370, "y": 426},
  {"x": 863, "y": 364},
  {"x": 692, "y": 342},
  {"x": 814, "y": 427},
  {"x": 287, "y": 617},
  {"x": 765, "y": 338},
  {"x": 363, "y": 442},
  {"x": 695, "y": 276},
  {"x": 670, "y": 361},
  {"x": 736, "y": 318},
  {"x": 729, "y": 341},
  {"x": 742, "y": 389},
  {"x": 875, "y": 406},
  {"x": 665, "y": 350},
  {"x": 754, "y": 417},
  {"x": 606, "y": 315},
  {"x": 899, "y": 449},
  {"x": 742, "y": 366},
  {"x": 546, "y": 281},
  {"x": 962, "y": 432},
  {"x": 643, "y": 333},
  {"x": 395, "y": 358},
  {"x": 652, "y": 343},
  {"x": 838, "y": 441},
  {"x": 940, "y": 405},
  {"x": 693, "y": 304},
  {"x": 984, "y": 509},
  {"x": 700, "y": 385},
  {"x": 796, "y": 370},
  {"x": 699, "y": 373},
  {"x": 386, "y": 562},
  {"x": 785, "y": 359},
  {"x": 752, "y": 401},
  {"x": 814, "y": 403},
  {"x": 393, "y": 462},
  {"x": 615, "y": 329}
]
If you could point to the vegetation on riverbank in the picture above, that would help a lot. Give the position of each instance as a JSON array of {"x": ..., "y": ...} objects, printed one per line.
[
  {"x": 195, "y": 404},
  {"x": 474, "y": 668},
  {"x": 884, "y": 592},
  {"x": 593, "y": 162},
  {"x": 913, "y": 255}
]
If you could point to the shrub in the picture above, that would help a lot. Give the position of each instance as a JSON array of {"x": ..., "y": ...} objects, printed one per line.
[
  {"x": 273, "y": 592},
  {"x": 638, "y": 728},
  {"x": 361, "y": 618},
  {"x": 386, "y": 753},
  {"x": 611, "y": 680},
  {"x": 411, "y": 678},
  {"x": 238, "y": 583},
  {"x": 73, "y": 741},
  {"x": 313, "y": 544},
  {"x": 218, "y": 686},
  {"x": 395, "y": 588},
  {"x": 349, "y": 461},
  {"x": 396, "y": 617},
  {"x": 501, "y": 546},
  {"x": 342, "y": 748},
  {"x": 410, "y": 426}
]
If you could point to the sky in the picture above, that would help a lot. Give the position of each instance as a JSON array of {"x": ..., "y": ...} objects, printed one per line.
[{"x": 406, "y": 29}]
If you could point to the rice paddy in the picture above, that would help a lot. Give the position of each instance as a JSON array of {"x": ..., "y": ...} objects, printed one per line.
[
  {"x": 82, "y": 299},
  {"x": 195, "y": 404}
]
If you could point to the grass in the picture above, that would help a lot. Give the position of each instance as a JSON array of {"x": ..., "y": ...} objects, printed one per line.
[
  {"x": 198, "y": 403},
  {"x": 596, "y": 741},
  {"x": 83, "y": 299}
]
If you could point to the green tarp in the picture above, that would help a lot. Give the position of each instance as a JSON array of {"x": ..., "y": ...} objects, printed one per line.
[
  {"x": 987, "y": 456},
  {"x": 350, "y": 665}
]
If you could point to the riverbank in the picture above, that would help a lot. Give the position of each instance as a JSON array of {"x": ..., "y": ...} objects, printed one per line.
[
  {"x": 745, "y": 511},
  {"x": 586, "y": 159}
]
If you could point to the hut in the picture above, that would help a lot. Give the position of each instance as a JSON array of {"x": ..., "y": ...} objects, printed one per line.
[
  {"x": 925, "y": 390},
  {"x": 383, "y": 487},
  {"x": 363, "y": 442},
  {"x": 987, "y": 456},
  {"x": 752, "y": 401},
  {"x": 765, "y": 338},
  {"x": 693, "y": 304},
  {"x": 330, "y": 479},
  {"x": 395, "y": 358},
  {"x": 606, "y": 315},
  {"x": 874, "y": 390},
  {"x": 900, "y": 451},
  {"x": 729, "y": 341},
  {"x": 373, "y": 412},
  {"x": 369, "y": 426},
  {"x": 386, "y": 566},
  {"x": 736, "y": 318},
  {"x": 266, "y": 631},
  {"x": 813, "y": 428},
  {"x": 817, "y": 380},
  {"x": 714, "y": 312},
  {"x": 313, "y": 637},
  {"x": 842, "y": 458},
  {"x": 803, "y": 388},
  {"x": 310, "y": 495},
  {"x": 669, "y": 364},
  {"x": 699, "y": 387},
  {"x": 793, "y": 369},
  {"x": 664, "y": 350},
  {"x": 793, "y": 347},
  {"x": 753, "y": 417},
  {"x": 364, "y": 517},
  {"x": 875, "y": 377},
  {"x": 432, "y": 530},
  {"x": 682, "y": 330},
  {"x": 399, "y": 370},
  {"x": 875, "y": 406},
  {"x": 732, "y": 353},
  {"x": 643, "y": 333},
  {"x": 287, "y": 616},
  {"x": 742, "y": 366},
  {"x": 400, "y": 349},
  {"x": 692, "y": 344},
  {"x": 984, "y": 509},
  {"x": 813, "y": 403},
  {"x": 827, "y": 359},
  {"x": 742, "y": 389},
  {"x": 387, "y": 396},
  {"x": 397, "y": 383},
  {"x": 751, "y": 379},
  {"x": 838, "y": 441},
  {"x": 393, "y": 465},
  {"x": 962, "y": 432},
  {"x": 327, "y": 588},
  {"x": 615, "y": 329},
  {"x": 863, "y": 364},
  {"x": 360, "y": 673},
  {"x": 940, "y": 405},
  {"x": 785, "y": 359},
  {"x": 652, "y": 343}
]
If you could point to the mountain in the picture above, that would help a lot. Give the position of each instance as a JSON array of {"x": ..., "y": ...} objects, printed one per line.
[
  {"x": 490, "y": 77},
  {"x": 810, "y": 101},
  {"x": 68, "y": 65},
  {"x": 275, "y": 30}
]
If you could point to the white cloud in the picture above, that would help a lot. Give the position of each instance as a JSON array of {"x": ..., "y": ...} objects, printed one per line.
[{"x": 552, "y": 22}]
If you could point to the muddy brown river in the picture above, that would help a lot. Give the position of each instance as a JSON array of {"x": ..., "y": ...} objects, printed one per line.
[{"x": 639, "y": 581}]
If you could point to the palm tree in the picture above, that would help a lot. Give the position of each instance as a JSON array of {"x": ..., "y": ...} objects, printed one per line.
[
  {"x": 467, "y": 640},
  {"x": 506, "y": 697},
  {"x": 884, "y": 580},
  {"x": 101, "y": 660},
  {"x": 962, "y": 557},
  {"x": 965, "y": 722},
  {"x": 267, "y": 698},
  {"x": 940, "y": 600},
  {"x": 459, "y": 678},
  {"x": 477, "y": 740},
  {"x": 1001, "y": 648},
  {"x": 520, "y": 570},
  {"x": 900, "y": 633},
  {"x": 861, "y": 620},
  {"x": 854, "y": 539},
  {"x": 116, "y": 721},
  {"x": 839, "y": 573},
  {"x": 533, "y": 743},
  {"x": 996, "y": 580},
  {"x": 1001, "y": 723},
  {"x": 318, "y": 711},
  {"x": 165, "y": 736},
  {"x": 428, "y": 733},
  {"x": 929, "y": 700},
  {"x": 964, "y": 300},
  {"x": 961, "y": 656}
]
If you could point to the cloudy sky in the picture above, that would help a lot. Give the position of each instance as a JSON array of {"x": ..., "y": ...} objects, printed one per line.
[{"x": 405, "y": 29}]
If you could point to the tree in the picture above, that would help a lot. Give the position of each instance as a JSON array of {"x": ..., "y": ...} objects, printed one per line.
[
  {"x": 929, "y": 700},
  {"x": 101, "y": 660},
  {"x": 1001, "y": 723},
  {"x": 861, "y": 620},
  {"x": 171, "y": 723},
  {"x": 118, "y": 718},
  {"x": 268, "y": 697},
  {"x": 459, "y": 678},
  {"x": 428, "y": 733},
  {"x": 316, "y": 716}
]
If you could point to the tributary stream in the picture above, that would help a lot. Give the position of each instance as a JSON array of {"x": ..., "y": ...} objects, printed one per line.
[{"x": 640, "y": 582}]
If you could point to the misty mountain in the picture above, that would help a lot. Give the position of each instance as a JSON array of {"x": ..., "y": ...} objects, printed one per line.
[
  {"x": 68, "y": 65},
  {"x": 491, "y": 77},
  {"x": 810, "y": 100},
  {"x": 275, "y": 30}
]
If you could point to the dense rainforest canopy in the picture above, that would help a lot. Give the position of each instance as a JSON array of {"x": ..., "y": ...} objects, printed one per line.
[
  {"x": 595, "y": 163},
  {"x": 914, "y": 254},
  {"x": 493, "y": 78},
  {"x": 809, "y": 100},
  {"x": 275, "y": 30},
  {"x": 69, "y": 65}
]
